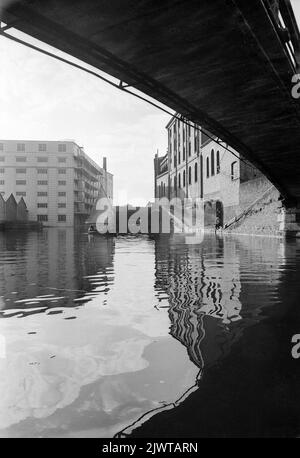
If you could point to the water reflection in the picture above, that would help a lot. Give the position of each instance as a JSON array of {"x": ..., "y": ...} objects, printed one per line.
[{"x": 103, "y": 333}]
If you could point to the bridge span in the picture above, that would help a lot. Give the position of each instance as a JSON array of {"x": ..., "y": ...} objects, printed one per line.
[{"x": 226, "y": 65}]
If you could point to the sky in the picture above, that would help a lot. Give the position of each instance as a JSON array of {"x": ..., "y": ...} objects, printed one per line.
[{"x": 44, "y": 99}]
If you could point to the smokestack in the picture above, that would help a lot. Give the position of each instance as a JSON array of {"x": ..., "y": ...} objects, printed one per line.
[{"x": 105, "y": 163}]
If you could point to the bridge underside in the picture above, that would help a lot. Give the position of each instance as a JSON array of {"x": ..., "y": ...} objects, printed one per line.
[{"x": 219, "y": 63}]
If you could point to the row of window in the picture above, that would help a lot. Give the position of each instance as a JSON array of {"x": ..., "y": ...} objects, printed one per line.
[
  {"x": 39, "y": 171},
  {"x": 42, "y": 147},
  {"x": 40, "y": 182},
  {"x": 210, "y": 165},
  {"x": 178, "y": 183},
  {"x": 60, "y": 218},
  {"x": 39, "y": 159},
  {"x": 186, "y": 144},
  {"x": 45, "y": 205},
  {"x": 40, "y": 194}
]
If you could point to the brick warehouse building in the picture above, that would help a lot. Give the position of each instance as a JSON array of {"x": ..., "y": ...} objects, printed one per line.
[{"x": 195, "y": 166}]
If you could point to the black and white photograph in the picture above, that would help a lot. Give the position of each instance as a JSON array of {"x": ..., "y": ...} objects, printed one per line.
[{"x": 149, "y": 223}]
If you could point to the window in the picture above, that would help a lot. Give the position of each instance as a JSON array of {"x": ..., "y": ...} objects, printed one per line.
[
  {"x": 42, "y": 159},
  {"x": 42, "y": 147},
  {"x": 42, "y": 217},
  {"x": 207, "y": 167},
  {"x": 190, "y": 175},
  {"x": 183, "y": 153},
  {"x": 21, "y": 158},
  {"x": 21, "y": 182},
  {"x": 61, "y": 194},
  {"x": 42, "y": 182},
  {"x": 2, "y": 170},
  {"x": 218, "y": 162},
  {"x": 175, "y": 183},
  {"x": 62, "y": 159},
  {"x": 61, "y": 218},
  {"x": 1, "y": 146},
  {"x": 190, "y": 149},
  {"x": 20, "y": 146},
  {"x": 62, "y": 171},
  {"x": 42, "y": 205},
  {"x": 61, "y": 183},
  {"x": 183, "y": 179},
  {"x": 179, "y": 181},
  {"x": 21, "y": 193},
  {"x": 234, "y": 170},
  {"x": 61, "y": 205},
  {"x": 2, "y": 182},
  {"x": 42, "y": 171},
  {"x": 62, "y": 148},
  {"x": 212, "y": 159},
  {"x": 2, "y": 158},
  {"x": 42, "y": 194},
  {"x": 21, "y": 170},
  {"x": 196, "y": 172}
]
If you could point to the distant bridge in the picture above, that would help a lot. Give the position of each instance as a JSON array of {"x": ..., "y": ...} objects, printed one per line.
[{"x": 225, "y": 64}]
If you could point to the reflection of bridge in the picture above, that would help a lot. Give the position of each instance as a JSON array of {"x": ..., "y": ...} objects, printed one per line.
[{"x": 226, "y": 65}]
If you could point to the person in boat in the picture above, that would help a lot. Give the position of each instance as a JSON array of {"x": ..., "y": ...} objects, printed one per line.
[{"x": 91, "y": 228}]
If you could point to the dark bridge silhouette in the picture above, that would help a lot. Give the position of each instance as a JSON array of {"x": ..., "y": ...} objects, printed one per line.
[{"x": 225, "y": 64}]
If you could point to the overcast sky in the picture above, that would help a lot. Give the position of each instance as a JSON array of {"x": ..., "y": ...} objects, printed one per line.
[{"x": 44, "y": 99}]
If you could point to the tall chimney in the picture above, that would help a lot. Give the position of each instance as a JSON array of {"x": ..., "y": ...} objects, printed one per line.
[{"x": 105, "y": 163}]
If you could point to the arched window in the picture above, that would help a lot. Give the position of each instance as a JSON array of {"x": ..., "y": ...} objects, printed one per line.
[
  {"x": 218, "y": 162},
  {"x": 196, "y": 172},
  {"x": 234, "y": 170},
  {"x": 183, "y": 179},
  {"x": 207, "y": 167},
  {"x": 212, "y": 158},
  {"x": 190, "y": 175},
  {"x": 179, "y": 181}
]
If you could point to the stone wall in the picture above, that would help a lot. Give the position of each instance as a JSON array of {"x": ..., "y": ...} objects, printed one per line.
[{"x": 262, "y": 219}]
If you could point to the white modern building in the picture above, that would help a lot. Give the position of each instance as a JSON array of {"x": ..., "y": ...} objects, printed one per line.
[{"x": 58, "y": 180}]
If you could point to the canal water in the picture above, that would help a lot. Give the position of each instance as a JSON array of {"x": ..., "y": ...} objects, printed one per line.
[{"x": 135, "y": 336}]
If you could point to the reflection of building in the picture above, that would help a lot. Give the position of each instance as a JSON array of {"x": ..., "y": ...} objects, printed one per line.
[
  {"x": 58, "y": 181},
  {"x": 197, "y": 167},
  {"x": 54, "y": 262},
  {"x": 203, "y": 296},
  {"x": 204, "y": 287}
]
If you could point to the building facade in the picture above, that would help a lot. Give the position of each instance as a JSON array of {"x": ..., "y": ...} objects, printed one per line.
[
  {"x": 196, "y": 166},
  {"x": 59, "y": 182}
]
